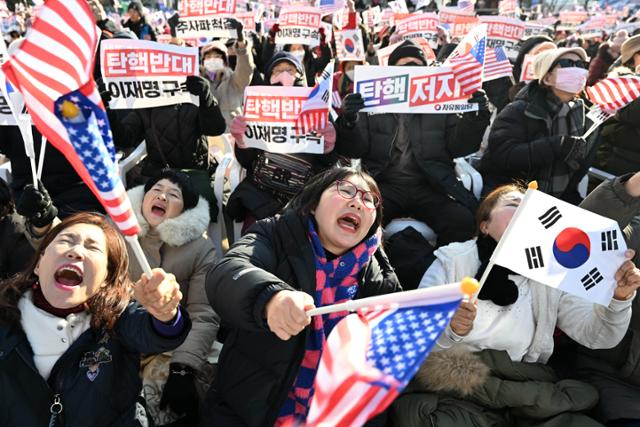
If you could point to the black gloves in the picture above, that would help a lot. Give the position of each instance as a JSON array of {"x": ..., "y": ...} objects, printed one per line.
[
  {"x": 571, "y": 149},
  {"x": 180, "y": 394},
  {"x": 173, "y": 23},
  {"x": 237, "y": 25},
  {"x": 199, "y": 86},
  {"x": 351, "y": 105},
  {"x": 480, "y": 97},
  {"x": 36, "y": 206}
]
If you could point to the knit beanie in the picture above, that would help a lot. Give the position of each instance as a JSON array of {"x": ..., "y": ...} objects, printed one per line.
[
  {"x": 280, "y": 57},
  {"x": 408, "y": 49},
  {"x": 189, "y": 194}
]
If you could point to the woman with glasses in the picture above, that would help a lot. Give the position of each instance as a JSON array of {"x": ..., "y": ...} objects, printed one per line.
[
  {"x": 318, "y": 252},
  {"x": 539, "y": 135}
]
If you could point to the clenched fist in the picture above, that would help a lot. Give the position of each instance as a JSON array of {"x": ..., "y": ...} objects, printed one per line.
[{"x": 286, "y": 313}]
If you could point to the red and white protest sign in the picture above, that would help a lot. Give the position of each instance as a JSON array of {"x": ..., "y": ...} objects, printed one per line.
[
  {"x": 573, "y": 18},
  {"x": 142, "y": 74},
  {"x": 449, "y": 15},
  {"x": 534, "y": 29},
  {"x": 507, "y": 7},
  {"x": 398, "y": 6},
  {"x": 505, "y": 32},
  {"x": 424, "y": 26},
  {"x": 463, "y": 26},
  {"x": 349, "y": 45},
  {"x": 420, "y": 90},
  {"x": 271, "y": 113},
  {"x": 188, "y": 8},
  {"x": 526, "y": 75},
  {"x": 384, "y": 53},
  {"x": 248, "y": 20},
  {"x": 299, "y": 25}
]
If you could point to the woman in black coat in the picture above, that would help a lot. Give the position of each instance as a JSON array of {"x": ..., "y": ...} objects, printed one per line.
[{"x": 319, "y": 251}]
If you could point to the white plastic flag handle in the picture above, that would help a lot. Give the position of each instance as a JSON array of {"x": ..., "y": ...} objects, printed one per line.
[{"x": 597, "y": 116}]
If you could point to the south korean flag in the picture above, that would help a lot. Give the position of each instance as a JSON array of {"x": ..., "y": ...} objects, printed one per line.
[{"x": 563, "y": 246}]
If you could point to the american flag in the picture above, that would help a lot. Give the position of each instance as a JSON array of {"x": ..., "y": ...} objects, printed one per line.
[
  {"x": 369, "y": 358},
  {"x": 466, "y": 6},
  {"x": 336, "y": 100},
  {"x": 56, "y": 59},
  {"x": 314, "y": 113},
  {"x": 615, "y": 92},
  {"x": 496, "y": 64},
  {"x": 467, "y": 60}
]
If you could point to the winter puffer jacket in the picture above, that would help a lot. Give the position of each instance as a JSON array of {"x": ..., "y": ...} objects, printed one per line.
[
  {"x": 256, "y": 368},
  {"x": 436, "y": 139}
]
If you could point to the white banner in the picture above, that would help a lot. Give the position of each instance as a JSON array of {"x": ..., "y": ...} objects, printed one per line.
[
  {"x": 143, "y": 74},
  {"x": 505, "y": 32},
  {"x": 422, "y": 90},
  {"x": 299, "y": 25},
  {"x": 206, "y": 26},
  {"x": 271, "y": 113}
]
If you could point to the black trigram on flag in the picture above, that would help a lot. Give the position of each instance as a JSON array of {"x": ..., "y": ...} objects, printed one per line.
[
  {"x": 550, "y": 217},
  {"x": 609, "y": 240},
  {"x": 534, "y": 257},
  {"x": 591, "y": 279}
]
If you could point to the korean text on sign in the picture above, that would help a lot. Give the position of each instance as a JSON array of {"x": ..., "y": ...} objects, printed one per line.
[
  {"x": 143, "y": 74},
  {"x": 299, "y": 25},
  {"x": 206, "y": 7},
  {"x": 423, "y": 26},
  {"x": 271, "y": 114},
  {"x": 426, "y": 90},
  {"x": 207, "y": 26}
]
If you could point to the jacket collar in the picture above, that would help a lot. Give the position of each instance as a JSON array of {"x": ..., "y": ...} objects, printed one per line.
[{"x": 186, "y": 227}]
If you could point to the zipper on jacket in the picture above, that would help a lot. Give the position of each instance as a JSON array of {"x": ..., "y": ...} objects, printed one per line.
[{"x": 55, "y": 409}]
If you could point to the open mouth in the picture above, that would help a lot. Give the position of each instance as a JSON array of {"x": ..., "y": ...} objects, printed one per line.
[
  {"x": 68, "y": 276},
  {"x": 349, "y": 222},
  {"x": 158, "y": 209}
]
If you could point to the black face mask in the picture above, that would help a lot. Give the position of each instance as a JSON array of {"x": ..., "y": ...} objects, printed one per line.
[{"x": 232, "y": 62}]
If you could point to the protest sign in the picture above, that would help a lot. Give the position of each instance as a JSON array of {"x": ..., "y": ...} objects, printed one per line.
[
  {"x": 505, "y": 32},
  {"x": 449, "y": 15},
  {"x": 527, "y": 69},
  {"x": 398, "y": 6},
  {"x": 271, "y": 113},
  {"x": 349, "y": 45},
  {"x": 423, "y": 26},
  {"x": 248, "y": 20},
  {"x": 572, "y": 19},
  {"x": 142, "y": 74},
  {"x": 422, "y": 90},
  {"x": 299, "y": 25},
  {"x": 535, "y": 29},
  {"x": 211, "y": 18},
  {"x": 384, "y": 53},
  {"x": 372, "y": 17}
]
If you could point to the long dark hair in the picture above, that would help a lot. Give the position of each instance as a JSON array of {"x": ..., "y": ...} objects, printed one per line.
[
  {"x": 107, "y": 305},
  {"x": 307, "y": 200}
]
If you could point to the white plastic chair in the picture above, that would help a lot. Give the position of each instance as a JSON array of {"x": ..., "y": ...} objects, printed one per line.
[{"x": 127, "y": 163}]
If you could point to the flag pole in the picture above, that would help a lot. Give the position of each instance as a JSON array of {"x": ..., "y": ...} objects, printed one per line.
[
  {"x": 399, "y": 299},
  {"x": 43, "y": 146},
  {"x": 27, "y": 135},
  {"x": 139, "y": 254},
  {"x": 533, "y": 185}
]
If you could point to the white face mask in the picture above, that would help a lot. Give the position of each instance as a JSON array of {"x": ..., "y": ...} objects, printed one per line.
[
  {"x": 298, "y": 54},
  {"x": 213, "y": 64},
  {"x": 350, "y": 74},
  {"x": 571, "y": 80}
]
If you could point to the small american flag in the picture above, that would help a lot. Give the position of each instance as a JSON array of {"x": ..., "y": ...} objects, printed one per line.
[
  {"x": 55, "y": 60},
  {"x": 496, "y": 64},
  {"x": 614, "y": 93},
  {"x": 467, "y": 60},
  {"x": 314, "y": 113},
  {"x": 369, "y": 358},
  {"x": 466, "y": 6},
  {"x": 336, "y": 99}
]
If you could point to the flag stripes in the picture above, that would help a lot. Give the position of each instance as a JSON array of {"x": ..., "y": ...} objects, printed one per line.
[
  {"x": 614, "y": 93},
  {"x": 550, "y": 217},
  {"x": 591, "y": 279},
  {"x": 609, "y": 240},
  {"x": 496, "y": 64},
  {"x": 55, "y": 59}
]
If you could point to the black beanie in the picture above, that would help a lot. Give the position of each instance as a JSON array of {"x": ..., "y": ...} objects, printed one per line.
[
  {"x": 189, "y": 195},
  {"x": 408, "y": 49}
]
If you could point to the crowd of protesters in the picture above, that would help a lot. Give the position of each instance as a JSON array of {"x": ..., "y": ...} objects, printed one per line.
[{"x": 219, "y": 335}]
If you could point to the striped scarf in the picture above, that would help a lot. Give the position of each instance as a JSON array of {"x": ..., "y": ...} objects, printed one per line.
[{"x": 336, "y": 282}]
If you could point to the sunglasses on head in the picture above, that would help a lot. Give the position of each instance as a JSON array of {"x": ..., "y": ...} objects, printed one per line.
[{"x": 568, "y": 63}]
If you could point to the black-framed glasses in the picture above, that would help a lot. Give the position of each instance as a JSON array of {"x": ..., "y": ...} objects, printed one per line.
[
  {"x": 568, "y": 63},
  {"x": 349, "y": 191}
]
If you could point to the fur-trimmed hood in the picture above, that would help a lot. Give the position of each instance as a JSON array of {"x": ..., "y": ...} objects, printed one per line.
[
  {"x": 454, "y": 370},
  {"x": 186, "y": 227}
]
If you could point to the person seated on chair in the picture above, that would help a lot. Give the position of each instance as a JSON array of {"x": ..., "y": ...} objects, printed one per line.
[{"x": 411, "y": 156}]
